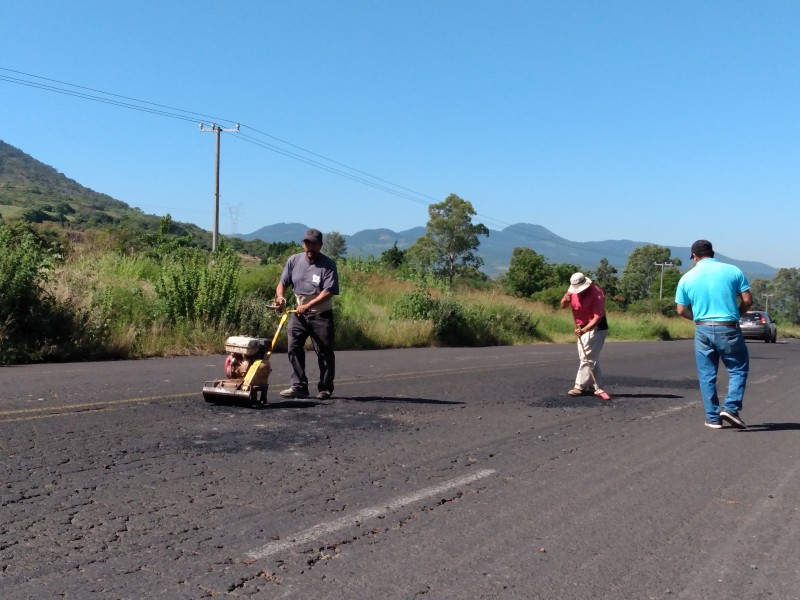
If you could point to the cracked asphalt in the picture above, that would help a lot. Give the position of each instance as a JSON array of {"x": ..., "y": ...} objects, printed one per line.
[{"x": 432, "y": 473}]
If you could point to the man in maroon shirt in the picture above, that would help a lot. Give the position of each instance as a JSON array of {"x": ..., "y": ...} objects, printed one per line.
[{"x": 588, "y": 304}]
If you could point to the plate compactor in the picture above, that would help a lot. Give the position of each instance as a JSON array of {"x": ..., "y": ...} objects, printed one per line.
[{"x": 247, "y": 370}]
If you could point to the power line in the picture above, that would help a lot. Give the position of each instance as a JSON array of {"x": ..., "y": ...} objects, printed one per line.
[
  {"x": 167, "y": 111},
  {"x": 65, "y": 92},
  {"x": 81, "y": 87},
  {"x": 335, "y": 171},
  {"x": 340, "y": 164}
]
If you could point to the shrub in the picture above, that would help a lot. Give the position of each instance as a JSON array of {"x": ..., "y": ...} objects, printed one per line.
[
  {"x": 193, "y": 288},
  {"x": 550, "y": 296},
  {"x": 418, "y": 304},
  {"x": 653, "y": 306},
  {"x": 451, "y": 324}
]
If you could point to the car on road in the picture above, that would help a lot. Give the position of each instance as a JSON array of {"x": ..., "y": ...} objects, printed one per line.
[{"x": 757, "y": 325}]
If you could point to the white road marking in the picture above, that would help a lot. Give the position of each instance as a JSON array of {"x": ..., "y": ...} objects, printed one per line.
[
  {"x": 669, "y": 411},
  {"x": 362, "y": 515}
]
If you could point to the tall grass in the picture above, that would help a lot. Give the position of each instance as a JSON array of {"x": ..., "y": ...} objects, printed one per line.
[{"x": 123, "y": 315}]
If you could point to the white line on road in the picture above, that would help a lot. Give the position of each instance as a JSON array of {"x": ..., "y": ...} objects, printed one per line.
[
  {"x": 670, "y": 410},
  {"x": 367, "y": 513}
]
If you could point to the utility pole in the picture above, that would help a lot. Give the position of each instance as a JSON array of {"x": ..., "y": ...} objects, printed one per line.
[
  {"x": 766, "y": 302},
  {"x": 661, "y": 287},
  {"x": 214, "y": 128}
]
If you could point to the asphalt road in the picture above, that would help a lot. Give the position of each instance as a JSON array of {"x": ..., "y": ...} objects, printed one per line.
[{"x": 433, "y": 473}]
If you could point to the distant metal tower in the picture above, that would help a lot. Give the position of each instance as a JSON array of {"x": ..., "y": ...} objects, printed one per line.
[{"x": 218, "y": 130}]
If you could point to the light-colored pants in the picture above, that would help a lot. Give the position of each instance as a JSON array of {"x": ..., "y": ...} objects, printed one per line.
[{"x": 593, "y": 343}]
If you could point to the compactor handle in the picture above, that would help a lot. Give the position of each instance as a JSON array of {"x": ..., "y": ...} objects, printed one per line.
[{"x": 281, "y": 323}]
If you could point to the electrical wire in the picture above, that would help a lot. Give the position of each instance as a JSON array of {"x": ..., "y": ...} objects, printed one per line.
[{"x": 163, "y": 110}]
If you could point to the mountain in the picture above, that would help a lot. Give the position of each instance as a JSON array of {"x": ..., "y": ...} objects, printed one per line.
[
  {"x": 496, "y": 250},
  {"x": 36, "y": 192},
  {"x": 369, "y": 242}
]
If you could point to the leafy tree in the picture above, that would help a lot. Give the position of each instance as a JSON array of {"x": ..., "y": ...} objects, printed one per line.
[
  {"x": 393, "y": 257},
  {"x": 421, "y": 255},
  {"x": 335, "y": 245},
  {"x": 164, "y": 242},
  {"x": 35, "y": 215},
  {"x": 606, "y": 277},
  {"x": 279, "y": 252},
  {"x": 255, "y": 247},
  {"x": 64, "y": 208},
  {"x": 528, "y": 272},
  {"x": 785, "y": 299},
  {"x": 641, "y": 275},
  {"x": 450, "y": 241},
  {"x": 760, "y": 288},
  {"x": 26, "y": 263},
  {"x": 560, "y": 274}
]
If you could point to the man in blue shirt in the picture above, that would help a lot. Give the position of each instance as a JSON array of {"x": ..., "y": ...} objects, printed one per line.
[
  {"x": 714, "y": 295},
  {"x": 315, "y": 281}
]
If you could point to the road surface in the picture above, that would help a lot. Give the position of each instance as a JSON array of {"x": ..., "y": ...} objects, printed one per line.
[{"x": 433, "y": 473}]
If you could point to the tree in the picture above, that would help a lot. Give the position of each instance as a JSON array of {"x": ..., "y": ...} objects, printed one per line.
[
  {"x": 606, "y": 277},
  {"x": 26, "y": 309},
  {"x": 641, "y": 277},
  {"x": 335, "y": 245},
  {"x": 785, "y": 299},
  {"x": 279, "y": 252},
  {"x": 560, "y": 274},
  {"x": 393, "y": 257},
  {"x": 759, "y": 288},
  {"x": 528, "y": 272},
  {"x": 450, "y": 239}
]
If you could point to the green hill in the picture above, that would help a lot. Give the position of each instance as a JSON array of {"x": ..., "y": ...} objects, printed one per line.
[{"x": 33, "y": 191}]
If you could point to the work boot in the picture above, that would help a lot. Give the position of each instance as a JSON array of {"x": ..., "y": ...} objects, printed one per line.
[{"x": 294, "y": 393}]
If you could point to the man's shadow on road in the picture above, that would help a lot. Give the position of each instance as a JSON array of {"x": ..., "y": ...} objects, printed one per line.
[
  {"x": 772, "y": 427},
  {"x": 291, "y": 404},
  {"x": 400, "y": 399},
  {"x": 647, "y": 396},
  {"x": 311, "y": 403}
]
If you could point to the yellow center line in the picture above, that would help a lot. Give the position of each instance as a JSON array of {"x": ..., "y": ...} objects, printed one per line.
[
  {"x": 61, "y": 414},
  {"x": 89, "y": 405}
]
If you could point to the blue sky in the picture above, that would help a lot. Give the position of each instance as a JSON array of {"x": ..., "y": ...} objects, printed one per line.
[{"x": 660, "y": 122}]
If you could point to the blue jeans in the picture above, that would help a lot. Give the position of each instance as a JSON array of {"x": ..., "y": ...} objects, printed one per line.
[{"x": 712, "y": 343}]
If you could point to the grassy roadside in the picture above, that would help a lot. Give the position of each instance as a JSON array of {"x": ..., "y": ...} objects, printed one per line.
[{"x": 124, "y": 318}]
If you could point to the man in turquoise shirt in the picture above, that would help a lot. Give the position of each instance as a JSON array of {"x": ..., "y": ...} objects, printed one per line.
[{"x": 714, "y": 295}]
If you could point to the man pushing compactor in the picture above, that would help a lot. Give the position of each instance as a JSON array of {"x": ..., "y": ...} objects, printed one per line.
[{"x": 315, "y": 281}]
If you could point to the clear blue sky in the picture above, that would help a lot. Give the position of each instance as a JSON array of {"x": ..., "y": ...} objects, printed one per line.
[{"x": 653, "y": 121}]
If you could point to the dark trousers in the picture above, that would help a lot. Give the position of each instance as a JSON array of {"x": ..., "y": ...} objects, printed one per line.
[{"x": 320, "y": 328}]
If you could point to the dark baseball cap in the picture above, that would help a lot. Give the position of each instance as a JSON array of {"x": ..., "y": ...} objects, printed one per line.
[
  {"x": 702, "y": 248},
  {"x": 313, "y": 235}
]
